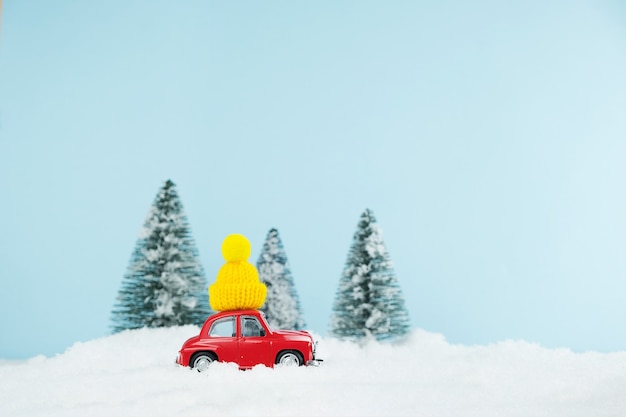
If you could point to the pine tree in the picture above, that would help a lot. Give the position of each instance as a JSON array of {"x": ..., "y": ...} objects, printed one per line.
[
  {"x": 282, "y": 306},
  {"x": 164, "y": 284},
  {"x": 369, "y": 302}
]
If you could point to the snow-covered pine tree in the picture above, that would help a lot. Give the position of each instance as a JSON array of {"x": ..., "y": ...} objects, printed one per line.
[
  {"x": 164, "y": 284},
  {"x": 369, "y": 302},
  {"x": 282, "y": 306}
]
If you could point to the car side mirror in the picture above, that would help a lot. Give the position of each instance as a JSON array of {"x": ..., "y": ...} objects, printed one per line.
[{"x": 262, "y": 332}]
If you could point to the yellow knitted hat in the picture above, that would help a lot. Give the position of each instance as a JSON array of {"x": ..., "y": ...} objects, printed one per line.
[{"x": 237, "y": 286}]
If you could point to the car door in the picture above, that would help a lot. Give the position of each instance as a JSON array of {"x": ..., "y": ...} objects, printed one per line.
[
  {"x": 223, "y": 335},
  {"x": 254, "y": 347}
]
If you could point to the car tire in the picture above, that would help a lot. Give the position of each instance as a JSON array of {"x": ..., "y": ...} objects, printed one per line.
[
  {"x": 201, "y": 361},
  {"x": 290, "y": 358}
]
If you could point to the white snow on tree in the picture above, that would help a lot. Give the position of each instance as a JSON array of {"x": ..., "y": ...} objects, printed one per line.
[
  {"x": 165, "y": 284},
  {"x": 369, "y": 303},
  {"x": 282, "y": 306}
]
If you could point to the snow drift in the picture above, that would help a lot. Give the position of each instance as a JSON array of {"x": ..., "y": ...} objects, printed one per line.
[{"x": 133, "y": 374}]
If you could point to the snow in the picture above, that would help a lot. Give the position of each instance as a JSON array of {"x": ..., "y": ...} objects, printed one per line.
[{"x": 133, "y": 374}]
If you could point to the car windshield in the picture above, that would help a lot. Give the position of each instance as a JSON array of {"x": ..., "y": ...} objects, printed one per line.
[{"x": 267, "y": 325}]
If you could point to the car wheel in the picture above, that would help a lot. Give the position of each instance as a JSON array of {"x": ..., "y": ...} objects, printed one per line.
[
  {"x": 201, "y": 361},
  {"x": 290, "y": 358}
]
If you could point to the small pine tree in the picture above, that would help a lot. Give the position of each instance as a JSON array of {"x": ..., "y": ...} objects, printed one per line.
[
  {"x": 282, "y": 306},
  {"x": 369, "y": 302},
  {"x": 165, "y": 283}
]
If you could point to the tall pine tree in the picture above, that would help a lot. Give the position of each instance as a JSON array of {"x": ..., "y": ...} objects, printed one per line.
[
  {"x": 369, "y": 302},
  {"x": 282, "y": 306},
  {"x": 165, "y": 283}
]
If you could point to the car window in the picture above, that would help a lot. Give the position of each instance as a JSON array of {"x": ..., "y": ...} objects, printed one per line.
[
  {"x": 251, "y": 327},
  {"x": 223, "y": 328}
]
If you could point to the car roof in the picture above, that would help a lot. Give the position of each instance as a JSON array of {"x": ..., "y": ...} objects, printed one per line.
[{"x": 237, "y": 313}]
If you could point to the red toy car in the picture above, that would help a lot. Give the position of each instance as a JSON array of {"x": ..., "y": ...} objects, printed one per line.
[{"x": 244, "y": 337}]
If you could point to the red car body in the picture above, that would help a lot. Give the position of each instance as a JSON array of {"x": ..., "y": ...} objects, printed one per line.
[{"x": 245, "y": 338}]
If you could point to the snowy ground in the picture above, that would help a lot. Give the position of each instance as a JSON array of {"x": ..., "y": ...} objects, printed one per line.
[{"x": 133, "y": 374}]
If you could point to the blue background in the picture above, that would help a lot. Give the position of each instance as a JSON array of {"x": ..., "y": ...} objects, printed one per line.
[{"x": 488, "y": 138}]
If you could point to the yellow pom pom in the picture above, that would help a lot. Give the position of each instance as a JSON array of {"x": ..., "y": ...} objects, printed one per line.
[{"x": 236, "y": 248}]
